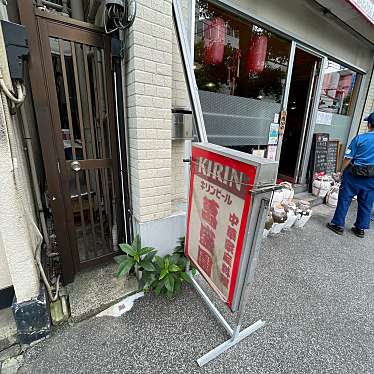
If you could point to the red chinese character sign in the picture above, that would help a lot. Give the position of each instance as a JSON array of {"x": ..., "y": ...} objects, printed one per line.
[{"x": 219, "y": 205}]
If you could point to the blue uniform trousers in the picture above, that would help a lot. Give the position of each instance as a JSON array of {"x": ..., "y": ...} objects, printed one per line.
[{"x": 350, "y": 187}]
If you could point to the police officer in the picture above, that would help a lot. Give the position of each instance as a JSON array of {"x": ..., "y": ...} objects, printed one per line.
[{"x": 357, "y": 180}]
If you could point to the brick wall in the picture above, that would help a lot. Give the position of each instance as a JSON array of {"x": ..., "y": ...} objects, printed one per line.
[
  {"x": 369, "y": 105},
  {"x": 149, "y": 108}
]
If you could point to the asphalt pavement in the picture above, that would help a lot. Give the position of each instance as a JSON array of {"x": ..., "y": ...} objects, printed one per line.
[{"x": 314, "y": 289}]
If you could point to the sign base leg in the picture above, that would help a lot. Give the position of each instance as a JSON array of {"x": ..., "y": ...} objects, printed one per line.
[{"x": 229, "y": 343}]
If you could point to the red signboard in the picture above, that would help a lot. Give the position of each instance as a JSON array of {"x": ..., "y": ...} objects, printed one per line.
[{"x": 219, "y": 205}]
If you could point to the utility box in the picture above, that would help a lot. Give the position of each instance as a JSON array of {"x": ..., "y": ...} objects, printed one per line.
[
  {"x": 15, "y": 40},
  {"x": 182, "y": 124}
]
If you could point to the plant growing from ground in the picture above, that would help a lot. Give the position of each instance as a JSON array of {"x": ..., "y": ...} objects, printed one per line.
[
  {"x": 168, "y": 277},
  {"x": 179, "y": 249},
  {"x": 164, "y": 275},
  {"x": 136, "y": 258}
]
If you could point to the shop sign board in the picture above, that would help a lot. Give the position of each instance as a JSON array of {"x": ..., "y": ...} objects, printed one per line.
[
  {"x": 219, "y": 206},
  {"x": 365, "y": 7}
]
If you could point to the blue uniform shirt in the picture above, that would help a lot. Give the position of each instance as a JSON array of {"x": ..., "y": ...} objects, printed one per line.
[{"x": 361, "y": 149}]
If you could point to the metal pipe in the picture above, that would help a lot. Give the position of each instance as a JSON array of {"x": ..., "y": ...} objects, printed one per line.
[
  {"x": 77, "y": 10},
  {"x": 50, "y": 4},
  {"x": 124, "y": 35},
  {"x": 34, "y": 175},
  {"x": 92, "y": 12}
]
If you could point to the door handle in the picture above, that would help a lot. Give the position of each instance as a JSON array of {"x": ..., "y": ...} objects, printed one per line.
[{"x": 76, "y": 166}]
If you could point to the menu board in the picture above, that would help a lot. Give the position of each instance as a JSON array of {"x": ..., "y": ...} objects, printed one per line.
[
  {"x": 320, "y": 154},
  {"x": 332, "y": 156}
]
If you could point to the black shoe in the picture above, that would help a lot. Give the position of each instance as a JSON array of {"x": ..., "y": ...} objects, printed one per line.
[
  {"x": 337, "y": 229},
  {"x": 358, "y": 232}
]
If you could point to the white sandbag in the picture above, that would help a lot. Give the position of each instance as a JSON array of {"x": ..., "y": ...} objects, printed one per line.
[
  {"x": 332, "y": 197},
  {"x": 321, "y": 186},
  {"x": 304, "y": 213},
  {"x": 291, "y": 210},
  {"x": 279, "y": 217}
]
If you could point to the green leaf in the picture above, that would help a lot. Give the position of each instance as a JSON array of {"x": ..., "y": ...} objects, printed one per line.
[
  {"x": 174, "y": 268},
  {"x": 159, "y": 287},
  {"x": 136, "y": 257},
  {"x": 175, "y": 258},
  {"x": 137, "y": 244},
  {"x": 185, "y": 277},
  {"x": 145, "y": 250},
  {"x": 120, "y": 259},
  {"x": 166, "y": 262},
  {"x": 154, "y": 284},
  {"x": 149, "y": 256},
  {"x": 163, "y": 273},
  {"x": 159, "y": 261},
  {"x": 169, "y": 283},
  {"x": 125, "y": 267},
  {"x": 147, "y": 265},
  {"x": 169, "y": 294},
  {"x": 177, "y": 286},
  {"x": 127, "y": 249}
]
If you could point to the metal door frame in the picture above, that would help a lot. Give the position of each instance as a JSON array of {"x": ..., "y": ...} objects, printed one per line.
[
  {"x": 311, "y": 123},
  {"x": 300, "y": 153},
  {"x": 40, "y": 26},
  {"x": 309, "y": 115}
]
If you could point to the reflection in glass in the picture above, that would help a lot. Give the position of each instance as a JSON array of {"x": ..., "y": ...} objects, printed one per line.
[
  {"x": 337, "y": 100},
  {"x": 241, "y": 71},
  {"x": 337, "y": 89},
  {"x": 235, "y": 57}
]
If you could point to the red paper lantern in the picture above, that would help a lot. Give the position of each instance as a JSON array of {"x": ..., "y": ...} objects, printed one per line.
[
  {"x": 257, "y": 54},
  {"x": 214, "y": 41}
]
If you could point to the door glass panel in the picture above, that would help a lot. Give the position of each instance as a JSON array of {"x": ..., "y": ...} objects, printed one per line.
[
  {"x": 82, "y": 100},
  {"x": 336, "y": 103}
]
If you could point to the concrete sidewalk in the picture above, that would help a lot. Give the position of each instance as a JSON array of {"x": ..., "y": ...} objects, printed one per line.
[{"x": 314, "y": 289}]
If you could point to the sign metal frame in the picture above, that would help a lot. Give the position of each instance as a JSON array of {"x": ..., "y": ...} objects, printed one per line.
[
  {"x": 260, "y": 200},
  {"x": 261, "y": 191}
]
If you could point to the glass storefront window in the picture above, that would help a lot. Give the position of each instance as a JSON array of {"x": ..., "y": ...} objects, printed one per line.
[
  {"x": 337, "y": 89},
  {"x": 336, "y": 103},
  {"x": 241, "y": 70}
]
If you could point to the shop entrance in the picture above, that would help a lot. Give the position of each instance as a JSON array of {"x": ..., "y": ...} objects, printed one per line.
[{"x": 303, "y": 89}]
